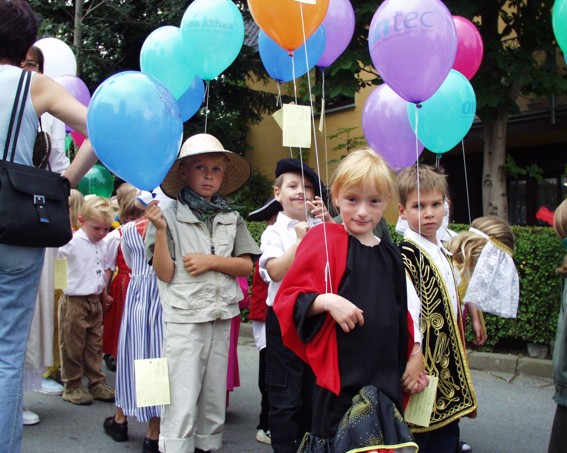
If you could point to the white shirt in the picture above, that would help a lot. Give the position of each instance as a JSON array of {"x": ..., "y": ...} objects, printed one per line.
[
  {"x": 435, "y": 251},
  {"x": 276, "y": 240},
  {"x": 85, "y": 265}
]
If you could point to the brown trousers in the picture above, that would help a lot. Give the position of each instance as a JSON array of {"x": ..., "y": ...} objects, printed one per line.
[{"x": 80, "y": 339}]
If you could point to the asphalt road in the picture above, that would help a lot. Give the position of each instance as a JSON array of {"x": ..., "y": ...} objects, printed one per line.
[{"x": 514, "y": 417}]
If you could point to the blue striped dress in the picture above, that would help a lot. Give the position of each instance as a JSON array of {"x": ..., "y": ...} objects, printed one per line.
[{"x": 141, "y": 331}]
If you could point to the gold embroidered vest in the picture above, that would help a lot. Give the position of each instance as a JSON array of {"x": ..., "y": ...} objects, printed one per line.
[{"x": 442, "y": 345}]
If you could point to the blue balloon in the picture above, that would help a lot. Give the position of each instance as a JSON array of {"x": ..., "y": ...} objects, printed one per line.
[
  {"x": 446, "y": 117},
  {"x": 135, "y": 128},
  {"x": 213, "y": 33},
  {"x": 163, "y": 56},
  {"x": 192, "y": 99},
  {"x": 278, "y": 62}
]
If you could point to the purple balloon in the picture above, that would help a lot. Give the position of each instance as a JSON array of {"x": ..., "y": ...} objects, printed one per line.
[
  {"x": 76, "y": 87},
  {"x": 413, "y": 44},
  {"x": 387, "y": 128},
  {"x": 339, "y": 25}
]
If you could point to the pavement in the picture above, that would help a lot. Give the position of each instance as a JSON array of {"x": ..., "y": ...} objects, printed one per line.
[{"x": 504, "y": 366}]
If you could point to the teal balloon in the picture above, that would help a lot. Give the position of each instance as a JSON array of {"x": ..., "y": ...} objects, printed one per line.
[
  {"x": 97, "y": 181},
  {"x": 163, "y": 56},
  {"x": 559, "y": 22},
  {"x": 213, "y": 33},
  {"x": 135, "y": 128},
  {"x": 446, "y": 117}
]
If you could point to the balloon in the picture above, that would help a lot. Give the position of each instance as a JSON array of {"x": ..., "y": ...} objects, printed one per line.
[
  {"x": 97, "y": 181},
  {"x": 559, "y": 22},
  {"x": 387, "y": 128},
  {"x": 339, "y": 21},
  {"x": 75, "y": 87},
  {"x": 413, "y": 45},
  {"x": 135, "y": 128},
  {"x": 78, "y": 138},
  {"x": 163, "y": 56},
  {"x": 213, "y": 33},
  {"x": 279, "y": 63},
  {"x": 59, "y": 58},
  {"x": 447, "y": 116},
  {"x": 282, "y": 20},
  {"x": 470, "y": 47},
  {"x": 192, "y": 99}
]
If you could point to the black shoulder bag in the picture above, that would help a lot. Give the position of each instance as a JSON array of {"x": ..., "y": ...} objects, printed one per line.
[{"x": 34, "y": 202}]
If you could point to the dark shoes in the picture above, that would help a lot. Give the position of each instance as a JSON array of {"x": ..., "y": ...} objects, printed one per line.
[
  {"x": 118, "y": 431},
  {"x": 150, "y": 446},
  {"x": 110, "y": 362}
]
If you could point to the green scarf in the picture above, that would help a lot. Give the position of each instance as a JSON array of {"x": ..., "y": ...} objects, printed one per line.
[{"x": 201, "y": 206}]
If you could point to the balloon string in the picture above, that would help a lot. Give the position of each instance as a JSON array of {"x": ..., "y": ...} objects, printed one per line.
[
  {"x": 293, "y": 75},
  {"x": 466, "y": 181},
  {"x": 207, "y": 93},
  {"x": 279, "y": 98},
  {"x": 323, "y": 125},
  {"x": 327, "y": 274},
  {"x": 418, "y": 194}
]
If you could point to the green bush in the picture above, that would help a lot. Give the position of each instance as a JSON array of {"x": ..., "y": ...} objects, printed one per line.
[{"x": 538, "y": 253}]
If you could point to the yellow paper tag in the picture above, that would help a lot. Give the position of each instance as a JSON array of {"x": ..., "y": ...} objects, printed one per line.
[
  {"x": 420, "y": 406},
  {"x": 278, "y": 117},
  {"x": 152, "y": 382},
  {"x": 60, "y": 273},
  {"x": 297, "y": 126}
]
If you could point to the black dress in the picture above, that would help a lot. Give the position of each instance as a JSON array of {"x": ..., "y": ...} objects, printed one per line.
[{"x": 372, "y": 354}]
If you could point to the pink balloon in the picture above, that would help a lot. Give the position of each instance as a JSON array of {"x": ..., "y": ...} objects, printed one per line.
[
  {"x": 339, "y": 25},
  {"x": 413, "y": 45},
  {"x": 78, "y": 138},
  {"x": 470, "y": 47},
  {"x": 388, "y": 130}
]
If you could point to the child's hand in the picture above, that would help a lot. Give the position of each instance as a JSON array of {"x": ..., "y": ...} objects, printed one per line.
[
  {"x": 197, "y": 263},
  {"x": 414, "y": 370},
  {"x": 155, "y": 215},
  {"x": 107, "y": 301},
  {"x": 319, "y": 210},
  {"x": 344, "y": 312},
  {"x": 301, "y": 230}
]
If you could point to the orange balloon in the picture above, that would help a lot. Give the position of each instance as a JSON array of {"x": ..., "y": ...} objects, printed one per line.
[{"x": 281, "y": 19}]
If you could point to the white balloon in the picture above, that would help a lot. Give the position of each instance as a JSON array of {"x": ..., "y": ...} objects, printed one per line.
[{"x": 59, "y": 58}]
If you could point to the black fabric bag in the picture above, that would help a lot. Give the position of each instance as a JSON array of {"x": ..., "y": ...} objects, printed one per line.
[{"x": 34, "y": 202}]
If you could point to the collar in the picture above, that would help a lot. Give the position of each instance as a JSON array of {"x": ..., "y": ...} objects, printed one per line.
[
  {"x": 288, "y": 222},
  {"x": 431, "y": 248},
  {"x": 82, "y": 235}
]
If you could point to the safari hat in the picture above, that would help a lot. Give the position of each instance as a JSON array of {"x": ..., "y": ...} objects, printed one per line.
[{"x": 237, "y": 171}]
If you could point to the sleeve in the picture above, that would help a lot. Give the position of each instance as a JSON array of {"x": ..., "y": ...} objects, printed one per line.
[
  {"x": 414, "y": 309},
  {"x": 272, "y": 247},
  {"x": 112, "y": 242},
  {"x": 150, "y": 241},
  {"x": 66, "y": 250},
  {"x": 244, "y": 243}
]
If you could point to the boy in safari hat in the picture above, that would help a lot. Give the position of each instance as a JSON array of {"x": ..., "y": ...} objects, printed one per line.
[{"x": 198, "y": 246}]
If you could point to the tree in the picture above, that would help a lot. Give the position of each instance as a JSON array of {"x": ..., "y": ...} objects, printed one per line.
[
  {"x": 519, "y": 60},
  {"x": 107, "y": 37}
]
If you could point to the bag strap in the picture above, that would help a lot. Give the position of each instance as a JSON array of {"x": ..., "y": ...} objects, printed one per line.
[{"x": 24, "y": 82}]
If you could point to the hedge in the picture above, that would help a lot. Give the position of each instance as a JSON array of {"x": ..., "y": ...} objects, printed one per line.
[{"x": 538, "y": 253}]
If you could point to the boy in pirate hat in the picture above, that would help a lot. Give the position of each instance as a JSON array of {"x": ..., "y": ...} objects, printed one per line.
[{"x": 198, "y": 246}]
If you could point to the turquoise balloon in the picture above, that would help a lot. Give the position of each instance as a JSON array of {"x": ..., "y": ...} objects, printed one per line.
[
  {"x": 135, "y": 128},
  {"x": 213, "y": 33},
  {"x": 163, "y": 56},
  {"x": 97, "y": 181},
  {"x": 559, "y": 22},
  {"x": 446, "y": 117}
]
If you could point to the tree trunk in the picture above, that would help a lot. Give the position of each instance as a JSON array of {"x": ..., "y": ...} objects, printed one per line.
[
  {"x": 78, "y": 32},
  {"x": 494, "y": 193}
]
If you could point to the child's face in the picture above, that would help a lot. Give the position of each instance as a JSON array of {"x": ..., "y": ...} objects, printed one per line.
[
  {"x": 361, "y": 208},
  {"x": 95, "y": 228},
  {"x": 425, "y": 217},
  {"x": 293, "y": 194},
  {"x": 203, "y": 174}
]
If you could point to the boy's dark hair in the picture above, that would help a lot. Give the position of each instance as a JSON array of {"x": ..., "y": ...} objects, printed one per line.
[
  {"x": 424, "y": 177},
  {"x": 18, "y": 30}
]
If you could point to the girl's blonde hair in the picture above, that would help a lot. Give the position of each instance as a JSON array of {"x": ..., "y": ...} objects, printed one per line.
[
  {"x": 76, "y": 200},
  {"x": 560, "y": 227},
  {"x": 96, "y": 207},
  {"x": 363, "y": 166},
  {"x": 467, "y": 246},
  {"x": 127, "y": 209}
]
